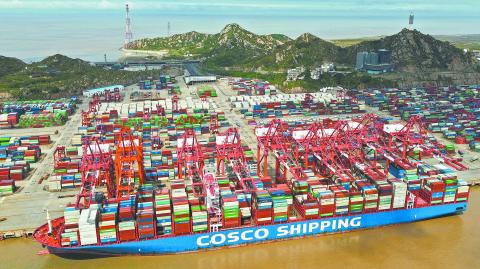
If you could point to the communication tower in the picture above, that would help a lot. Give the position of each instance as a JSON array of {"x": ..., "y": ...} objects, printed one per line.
[{"x": 128, "y": 30}]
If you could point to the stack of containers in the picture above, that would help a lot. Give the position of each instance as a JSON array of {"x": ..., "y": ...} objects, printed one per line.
[
  {"x": 399, "y": 193},
  {"x": 341, "y": 199},
  {"x": 230, "y": 208},
  {"x": 451, "y": 185},
  {"x": 327, "y": 203},
  {"x": 107, "y": 225},
  {"x": 199, "y": 214},
  {"x": 370, "y": 194},
  {"x": 263, "y": 207},
  {"x": 356, "y": 201},
  {"x": 244, "y": 202},
  {"x": 463, "y": 190},
  {"x": 69, "y": 235},
  {"x": 69, "y": 238},
  {"x": 87, "y": 225},
  {"x": 46, "y": 119},
  {"x": 7, "y": 186},
  {"x": 433, "y": 191},
  {"x": 181, "y": 208},
  {"x": 384, "y": 196},
  {"x": 126, "y": 217},
  {"x": 280, "y": 205},
  {"x": 163, "y": 212},
  {"x": 304, "y": 203},
  {"x": 145, "y": 214}
]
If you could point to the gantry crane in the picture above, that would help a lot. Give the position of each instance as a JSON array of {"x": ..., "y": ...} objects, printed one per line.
[
  {"x": 96, "y": 170},
  {"x": 128, "y": 162},
  {"x": 229, "y": 149}
]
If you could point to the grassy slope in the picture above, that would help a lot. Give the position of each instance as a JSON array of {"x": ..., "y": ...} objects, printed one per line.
[
  {"x": 60, "y": 76},
  {"x": 10, "y": 65}
]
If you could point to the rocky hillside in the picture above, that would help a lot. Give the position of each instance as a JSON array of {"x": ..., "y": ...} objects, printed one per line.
[
  {"x": 306, "y": 50},
  {"x": 237, "y": 47},
  {"x": 233, "y": 45},
  {"x": 10, "y": 65},
  {"x": 413, "y": 50}
]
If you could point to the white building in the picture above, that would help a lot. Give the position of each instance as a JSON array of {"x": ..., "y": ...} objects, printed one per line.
[
  {"x": 324, "y": 68},
  {"x": 296, "y": 73}
]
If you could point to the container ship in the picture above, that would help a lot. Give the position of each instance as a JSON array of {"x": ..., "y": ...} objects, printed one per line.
[{"x": 152, "y": 187}]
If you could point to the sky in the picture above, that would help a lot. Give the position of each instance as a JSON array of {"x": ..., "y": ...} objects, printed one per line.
[
  {"x": 466, "y": 7},
  {"x": 32, "y": 29}
]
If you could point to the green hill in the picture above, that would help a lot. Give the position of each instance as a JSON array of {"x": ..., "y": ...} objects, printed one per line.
[
  {"x": 413, "y": 50},
  {"x": 60, "y": 76},
  {"x": 238, "y": 48},
  {"x": 232, "y": 46},
  {"x": 10, "y": 65}
]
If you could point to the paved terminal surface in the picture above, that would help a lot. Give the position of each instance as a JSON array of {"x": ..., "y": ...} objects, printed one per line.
[{"x": 26, "y": 209}]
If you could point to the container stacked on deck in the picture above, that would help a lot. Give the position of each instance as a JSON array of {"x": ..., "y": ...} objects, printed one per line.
[
  {"x": 163, "y": 212},
  {"x": 87, "y": 225},
  {"x": 399, "y": 193},
  {"x": 230, "y": 208},
  {"x": 433, "y": 191},
  {"x": 145, "y": 212},
  {"x": 451, "y": 185},
  {"x": 69, "y": 235},
  {"x": 384, "y": 196},
  {"x": 107, "y": 228},
  {"x": 409, "y": 176},
  {"x": 69, "y": 238},
  {"x": 280, "y": 204},
  {"x": 463, "y": 190},
  {"x": 356, "y": 201},
  {"x": 370, "y": 194},
  {"x": 263, "y": 204},
  {"x": 199, "y": 213},
  {"x": 181, "y": 208},
  {"x": 341, "y": 199},
  {"x": 126, "y": 219},
  {"x": 327, "y": 202},
  {"x": 244, "y": 202},
  {"x": 304, "y": 202}
]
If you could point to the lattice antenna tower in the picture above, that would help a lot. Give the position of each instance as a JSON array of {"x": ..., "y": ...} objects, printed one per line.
[{"x": 128, "y": 29}]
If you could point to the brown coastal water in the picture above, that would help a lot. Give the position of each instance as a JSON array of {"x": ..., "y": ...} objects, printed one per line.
[{"x": 450, "y": 242}]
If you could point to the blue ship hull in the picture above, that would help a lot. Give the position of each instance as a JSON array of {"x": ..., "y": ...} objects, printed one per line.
[{"x": 258, "y": 234}]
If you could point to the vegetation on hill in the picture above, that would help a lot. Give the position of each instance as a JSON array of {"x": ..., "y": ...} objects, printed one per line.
[
  {"x": 233, "y": 45},
  {"x": 238, "y": 48},
  {"x": 349, "y": 81},
  {"x": 61, "y": 76},
  {"x": 10, "y": 65},
  {"x": 413, "y": 50}
]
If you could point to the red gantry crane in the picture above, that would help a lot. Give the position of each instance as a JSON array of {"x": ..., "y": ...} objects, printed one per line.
[
  {"x": 128, "y": 162},
  {"x": 96, "y": 170},
  {"x": 229, "y": 149}
]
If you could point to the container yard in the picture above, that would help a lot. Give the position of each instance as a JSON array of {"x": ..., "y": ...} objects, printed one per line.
[
  {"x": 36, "y": 114},
  {"x": 192, "y": 167},
  {"x": 251, "y": 87},
  {"x": 450, "y": 111}
]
